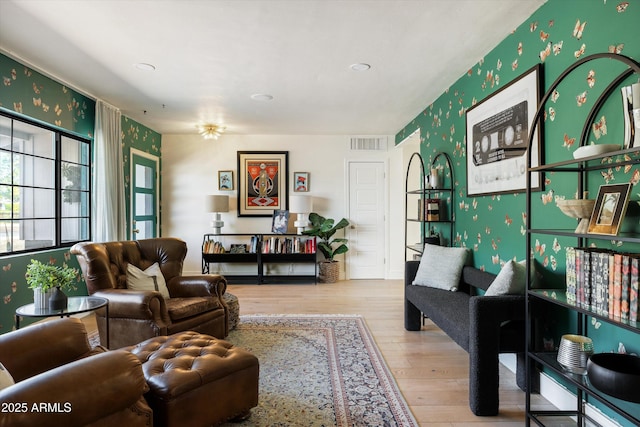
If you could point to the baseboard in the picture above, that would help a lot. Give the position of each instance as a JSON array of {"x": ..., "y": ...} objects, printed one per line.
[{"x": 562, "y": 398}]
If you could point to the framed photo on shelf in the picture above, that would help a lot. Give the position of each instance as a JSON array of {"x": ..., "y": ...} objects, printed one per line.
[
  {"x": 300, "y": 181},
  {"x": 225, "y": 180},
  {"x": 280, "y": 221},
  {"x": 262, "y": 182},
  {"x": 609, "y": 210},
  {"x": 497, "y": 133}
]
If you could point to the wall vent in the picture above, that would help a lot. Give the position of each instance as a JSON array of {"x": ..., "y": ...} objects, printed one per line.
[{"x": 368, "y": 143}]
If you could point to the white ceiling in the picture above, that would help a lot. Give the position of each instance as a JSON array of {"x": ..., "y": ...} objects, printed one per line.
[{"x": 211, "y": 56}]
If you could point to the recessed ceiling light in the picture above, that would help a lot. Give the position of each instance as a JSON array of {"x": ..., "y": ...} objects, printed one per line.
[
  {"x": 360, "y": 66},
  {"x": 262, "y": 97},
  {"x": 144, "y": 66}
]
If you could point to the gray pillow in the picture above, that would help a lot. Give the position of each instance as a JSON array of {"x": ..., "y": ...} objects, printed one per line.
[
  {"x": 510, "y": 281},
  {"x": 440, "y": 267}
]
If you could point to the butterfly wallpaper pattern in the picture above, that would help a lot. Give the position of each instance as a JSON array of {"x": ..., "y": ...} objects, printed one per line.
[
  {"x": 493, "y": 226},
  {"x": 32, "y": 94}
]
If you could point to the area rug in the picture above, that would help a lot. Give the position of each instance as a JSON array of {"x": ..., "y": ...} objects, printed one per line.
[{"x": 319, "y": 370}]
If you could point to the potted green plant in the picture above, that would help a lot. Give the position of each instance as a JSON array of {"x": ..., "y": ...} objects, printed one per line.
[
  {"x": 324, "y": 229},
  {"x": 48, "y": 281}
]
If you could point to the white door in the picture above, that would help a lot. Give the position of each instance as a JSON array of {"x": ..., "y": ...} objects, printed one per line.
[{"x": 366, "y": 213}]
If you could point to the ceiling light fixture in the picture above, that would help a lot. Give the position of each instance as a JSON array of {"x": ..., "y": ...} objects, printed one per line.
[
  {"x": 360, "y": 66},
  {"x": 211, "y": 131},
  {"x": 261, "y": 97}
]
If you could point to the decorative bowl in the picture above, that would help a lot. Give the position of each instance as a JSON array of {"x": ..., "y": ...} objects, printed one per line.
[
  {"x": 574, "y": 352},
  {"x": 594, "y": 150},
  {"x": 578, "y": 208},
  {"x": 615, "y": 374}
]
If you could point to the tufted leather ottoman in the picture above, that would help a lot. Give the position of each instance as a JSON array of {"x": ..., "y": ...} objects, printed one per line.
[{"x": 197, "y": 380}]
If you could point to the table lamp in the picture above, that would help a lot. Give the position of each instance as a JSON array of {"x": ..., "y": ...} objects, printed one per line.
[
  {"x": 217, "y": 204},
  {"x": 301, "y": 205}
]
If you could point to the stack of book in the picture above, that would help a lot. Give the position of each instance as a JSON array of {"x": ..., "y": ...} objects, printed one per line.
[
  {"x": 297, "y": 245},
  {"x": 431, "y": 207},
  {"x": 603, "y": 281},
  {"x": 212, "y": 247}
]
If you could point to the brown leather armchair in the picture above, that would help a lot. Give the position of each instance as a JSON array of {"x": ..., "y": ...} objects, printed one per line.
[
  {"x": 70, "y": 384},
  {"x": 196, "y": 302}
]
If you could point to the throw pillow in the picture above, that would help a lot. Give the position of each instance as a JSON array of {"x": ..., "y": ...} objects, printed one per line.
[
  {"x": 440, "y": 267},
  {"x": 150, "y": 279},
  {"x": 510, "y": 281},
  {"x": 6, "y": 379}
]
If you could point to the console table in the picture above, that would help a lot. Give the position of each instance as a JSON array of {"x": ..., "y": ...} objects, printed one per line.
[{"x": 260, "y": 250}]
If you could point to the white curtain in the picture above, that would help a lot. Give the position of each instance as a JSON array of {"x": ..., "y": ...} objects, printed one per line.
[{"x": 109, "y": 212}]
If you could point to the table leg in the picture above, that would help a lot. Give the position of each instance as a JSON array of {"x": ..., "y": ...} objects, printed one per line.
[
  {"x": 17, "y": 322},
  {"x": 107, "y": 321}
]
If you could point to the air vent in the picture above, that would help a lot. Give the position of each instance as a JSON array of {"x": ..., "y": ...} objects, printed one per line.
[{"x": 368, "y": 143}]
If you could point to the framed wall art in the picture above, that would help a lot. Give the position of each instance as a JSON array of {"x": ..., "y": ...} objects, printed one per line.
[
  {"x": 498, "y": 137},
  {"x": 609, "y": 210},
  {"x": 262, "y": 182},
  {"x": 300, "y": 181},
  {"x": 225, "y": 180}
]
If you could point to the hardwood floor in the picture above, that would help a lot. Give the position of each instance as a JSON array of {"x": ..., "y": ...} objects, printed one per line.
[{"x": 431, "y": 370}]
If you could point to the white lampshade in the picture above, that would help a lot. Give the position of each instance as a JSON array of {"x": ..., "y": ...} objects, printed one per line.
[
  {"x": 300, "y": 204},
  {"x": 217, "y": 203}
]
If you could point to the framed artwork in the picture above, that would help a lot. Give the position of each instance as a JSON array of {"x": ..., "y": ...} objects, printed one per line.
[
  {"x": 300, "y": 181},
  {"x": 498, "y": 137},
  {"x": 280, "y": 221},
  {"x": 609, "y": 209},
  {"x": 225, "y": 180},
  {"x": 262, "y": 182}
]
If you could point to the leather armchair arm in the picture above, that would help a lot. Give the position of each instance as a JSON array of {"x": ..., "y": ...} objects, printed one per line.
[
  {"x": 130, "y": 304},
  {"x": 75, "y": 394},
  {"x": 197, "y": 286}
]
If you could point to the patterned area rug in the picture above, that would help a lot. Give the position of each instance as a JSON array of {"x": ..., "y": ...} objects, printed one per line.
[{"x": 319, "y": 370}]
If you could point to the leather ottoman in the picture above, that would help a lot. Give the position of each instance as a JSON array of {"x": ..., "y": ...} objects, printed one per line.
[{"x": 197, "y": 380}]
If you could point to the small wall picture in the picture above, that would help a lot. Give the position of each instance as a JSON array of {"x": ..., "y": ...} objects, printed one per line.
[
  {"x": 280, "y": 221},
  {"x": 609, "y": 210},
  {"x": 300, "y": 181},
  {"x": 225, "y": 180}
]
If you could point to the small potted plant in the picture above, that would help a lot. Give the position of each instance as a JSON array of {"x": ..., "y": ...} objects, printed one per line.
[
  {"x": 48, "y": 281},
  {"x": 324, "y": 229}
]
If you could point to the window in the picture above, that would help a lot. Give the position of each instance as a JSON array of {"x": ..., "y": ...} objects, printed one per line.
[{"x": 45, "y": 194}]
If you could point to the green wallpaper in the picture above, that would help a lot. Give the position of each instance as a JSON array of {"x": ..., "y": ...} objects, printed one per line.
[
  {"x": 493, "y": 226},
  {"x": 556, "y": 35},
  {"x": 31, "y": 94},
  {"x": 140, "y": 137}
]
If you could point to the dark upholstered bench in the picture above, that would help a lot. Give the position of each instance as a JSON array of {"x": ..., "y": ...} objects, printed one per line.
[
  {"x": 482, "y": 325},
  {"x": 197, "y": 380}
]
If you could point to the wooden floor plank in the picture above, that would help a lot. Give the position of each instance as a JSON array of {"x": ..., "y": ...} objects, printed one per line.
[{"x": 431, "y": 370}]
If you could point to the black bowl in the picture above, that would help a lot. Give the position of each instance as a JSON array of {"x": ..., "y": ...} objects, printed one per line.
[{"x": 615, "y": 374}]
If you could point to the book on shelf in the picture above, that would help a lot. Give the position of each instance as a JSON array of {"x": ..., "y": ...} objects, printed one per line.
[
  {"x": 570, "y": 276},
  {"x": 633, "y": 289},
  {"x": 288, "y": 245},
  {"x": 604, "y": 282},
  {"x": 433, "y": 209},
  {"x": 212, "y": 247}
]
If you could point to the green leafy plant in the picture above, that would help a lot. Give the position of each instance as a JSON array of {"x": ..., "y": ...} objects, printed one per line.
[
  {"x": 324, "y": 229},
  {"x": 47, "y": 276}
]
